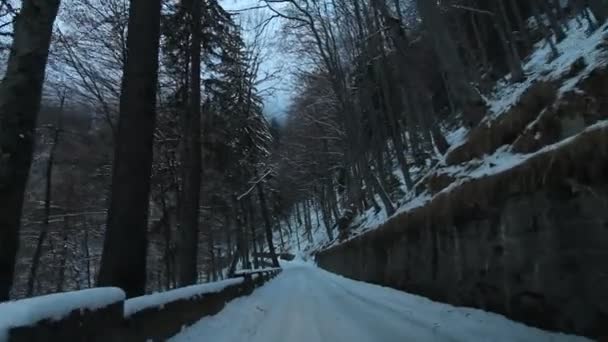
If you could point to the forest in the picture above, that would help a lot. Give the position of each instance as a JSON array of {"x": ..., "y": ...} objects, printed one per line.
[{"x": 136, "y": 151}]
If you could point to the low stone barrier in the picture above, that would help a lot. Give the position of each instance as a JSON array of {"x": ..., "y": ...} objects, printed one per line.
[{"x": 103, "y": 314}]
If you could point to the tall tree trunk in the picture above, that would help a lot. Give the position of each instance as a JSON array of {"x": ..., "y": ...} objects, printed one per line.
[
  {"x": 326, "y": 215},
  {"x": 87, "y": 255},
  {"x": 481, "y": 46},
  {"x": 254, "y": 246},
  {"x": 267, "y": 225},
  {"x": 553, "y": 20},
  {"x": 298, "y": 218},
  {"x": 545, "y": 31},
  {"x": 308, "y": 217},
  {"x": 123, "y": 262},
  {"x": 47, "y": 210},
  {"x": 254, "y": 238},
  {"x": 64, "y": 256},
  {"x": 165, "y": 225},
  {"x": 447, "y": 51},
  {"x": 521, "y": 24},
  {"x": 599, "y": 8},
  {"x": 241, "y": 224},
  {"x": 20, "y": 95},
  {"x": 297, "y": 236},
  {"x": 211, "y": 243},
  {"x": 513, "y": 58},
  {"x": 191, "y": 158}
]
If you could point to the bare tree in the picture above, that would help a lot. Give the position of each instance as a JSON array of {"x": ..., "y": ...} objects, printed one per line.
[
  {"x": 20, "y": 95},
  {"x": 123, "y": 262}
]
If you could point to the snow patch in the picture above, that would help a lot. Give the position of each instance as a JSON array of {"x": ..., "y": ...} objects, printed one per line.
[{"x": 457, "y": 137}]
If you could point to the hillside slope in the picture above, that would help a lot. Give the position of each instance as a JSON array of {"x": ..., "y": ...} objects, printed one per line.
[{"x": 514, "y": 219}]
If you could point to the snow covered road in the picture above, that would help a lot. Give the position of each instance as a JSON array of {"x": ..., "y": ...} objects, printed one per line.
[{"x": 307, "y": 304}]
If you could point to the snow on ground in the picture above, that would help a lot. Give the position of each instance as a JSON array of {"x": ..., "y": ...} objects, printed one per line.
[
  {"x": 27, "y": 312},
  {"x": 457, "y": 137},
  {"x": 160, "y": 299},
  {"x": 539, "y": 66},
  {"x": 307, "y": 304},
  {"x": 504, "y": 159}
]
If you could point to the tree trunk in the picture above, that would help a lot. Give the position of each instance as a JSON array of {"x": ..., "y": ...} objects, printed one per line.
[
  {"x": 545, "y": 31},
  {"x": 267, "y": 225},
  {"x": 20, "y": 95},
  {"x": 47, "y": 210},
  {"x": 241, "y": 223},
  {"x": 481, "y": 46},
  {"x": 254, "y": 238},
  {"x": 599, "y": 10},
  {"x": 64, "y": 256},
  {"x": 513, "y": 58},
  {"x": 297, "y": 236},
  {"x": 123, "y": 262},
  {"x": 87, "y": 255},
  {"x": 553, "y": 21},
  {"x": 523, "y": 28},
  {"x": 326, "y": 212},
  {"x": 191, "y": 154},
  {"x": 211, "y": 243},
  {"x": 464, "y": 93}
]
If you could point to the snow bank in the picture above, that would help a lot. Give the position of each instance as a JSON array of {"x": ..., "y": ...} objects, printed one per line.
[
  {"x": 28, "y": 312},
  {"x": 160, "y": 299}
]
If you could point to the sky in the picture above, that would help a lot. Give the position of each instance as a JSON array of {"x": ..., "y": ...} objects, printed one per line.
[{"x": 277, "y": 93}]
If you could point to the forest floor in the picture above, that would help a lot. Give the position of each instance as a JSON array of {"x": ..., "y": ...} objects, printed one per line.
[{"x": 307, "y": 304}]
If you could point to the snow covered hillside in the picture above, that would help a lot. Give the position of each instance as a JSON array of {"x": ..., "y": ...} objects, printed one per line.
[{"x": 581, "y": 53}]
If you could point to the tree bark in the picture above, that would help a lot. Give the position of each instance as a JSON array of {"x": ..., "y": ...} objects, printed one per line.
[
  {"x": 513, "y": 58},
  {"x": 20, "y": 96},
  {"x": 599, "y": 10},
  {"x": 464, "y": 93},
  {"x": 553, "y": 20},
  {"x": 545, "y": 31},
  {"x": 64, "y": 256},
  {"x": 191, "y": 159},
  {"x": 267, "y": 225},
  {"x": 47, "y": 210},
  {"x": 256, "y": 260},
  {"x": 123, "y": 262}
]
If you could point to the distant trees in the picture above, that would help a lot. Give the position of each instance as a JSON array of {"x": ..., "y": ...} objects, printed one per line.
[{"x": 20, "y": 96}]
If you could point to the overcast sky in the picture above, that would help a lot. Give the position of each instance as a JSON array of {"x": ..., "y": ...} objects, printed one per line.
[{"x": 275, "y": 62}]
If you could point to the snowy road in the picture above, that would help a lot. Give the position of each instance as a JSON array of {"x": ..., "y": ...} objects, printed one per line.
[{"x": 307, "y": 304}]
